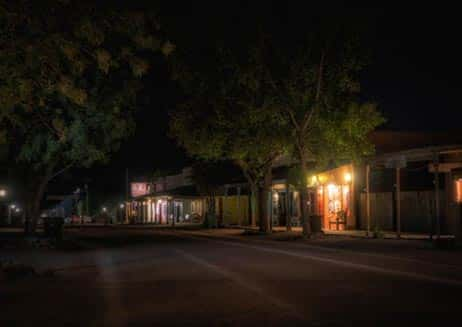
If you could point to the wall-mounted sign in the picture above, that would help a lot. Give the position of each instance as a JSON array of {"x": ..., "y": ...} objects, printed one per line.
[{"x": 139, "y": 189}]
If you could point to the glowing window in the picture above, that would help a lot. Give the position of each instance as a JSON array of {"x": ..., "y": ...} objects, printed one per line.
[{"x": 458, "y": 190}]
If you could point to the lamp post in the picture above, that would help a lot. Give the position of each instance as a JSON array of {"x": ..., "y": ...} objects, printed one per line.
[
  {"x": 122, "y": 216},
  {"x": 10, "y": 207},
  {"x": 2, "y": 196}
]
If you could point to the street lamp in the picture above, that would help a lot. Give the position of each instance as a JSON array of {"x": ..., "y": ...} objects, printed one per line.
[
  {"x": 18, "y": 210},
  {"x": 122, "y": 206},
  {"x": 104, "y": 209},
  {"x": 2, "y": 193},
  {"x": 10, "y": 207}
]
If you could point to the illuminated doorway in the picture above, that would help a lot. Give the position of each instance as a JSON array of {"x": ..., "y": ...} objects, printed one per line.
[{"x": 336, "y": 206}]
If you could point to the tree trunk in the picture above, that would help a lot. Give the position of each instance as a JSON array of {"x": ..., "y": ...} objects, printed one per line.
[
  {"x": 210, "y": 212},
  {"x": 253, "y": 204},
  {"x": 34, "y": 200},
  {"x": 306, "y": 221},
  {"x": 264, "y": 212}
]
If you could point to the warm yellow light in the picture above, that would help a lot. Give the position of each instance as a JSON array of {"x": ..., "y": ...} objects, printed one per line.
[
  {"x": 458, "y": 188},
  {"x": 331, "y": 188},
  {"x": 347, "y": 177},
  {"x": 314, "y": 180},
  {"x": 2, "y": 193},
  {"x": 275, "y": 196}
]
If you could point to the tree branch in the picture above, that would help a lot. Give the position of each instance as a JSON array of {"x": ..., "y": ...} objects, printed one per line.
[{"x": 59, "y": 172}]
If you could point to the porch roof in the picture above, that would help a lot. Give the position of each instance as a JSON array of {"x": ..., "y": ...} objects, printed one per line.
[
  {"x": 416, "y": 154},
  {"x": 183, "y": 192}
]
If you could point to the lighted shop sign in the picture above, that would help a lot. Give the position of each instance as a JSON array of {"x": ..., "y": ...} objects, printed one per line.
[{"x": 139, "y": 189}]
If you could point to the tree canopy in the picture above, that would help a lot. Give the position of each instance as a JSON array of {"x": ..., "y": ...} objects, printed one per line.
[{"x": 69, "y": 75}]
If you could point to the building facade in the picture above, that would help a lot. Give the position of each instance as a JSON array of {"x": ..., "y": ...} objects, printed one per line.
[
  {"x": 166, "y": 200},
  {"x": 412, "y": 191}
]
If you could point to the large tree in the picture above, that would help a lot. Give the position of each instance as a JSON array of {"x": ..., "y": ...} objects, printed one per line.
[
  {"x": 229, "y": 115},
  {"x": 317, "y": 87},
  {"x": 69, "y": 75}
]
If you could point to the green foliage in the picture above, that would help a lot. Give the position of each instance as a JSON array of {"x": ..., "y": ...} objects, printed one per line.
[
  {"x": 346, "y": 132},
  {"x": 69, "y": 77},
  {"x": 317, "y": 89},
  {"x": 229, "y": 115}
]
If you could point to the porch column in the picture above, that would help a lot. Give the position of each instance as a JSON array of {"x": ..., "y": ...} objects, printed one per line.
[
  {"x": 155, "y": 211},
  {"x": 238, "y": 206},
  {"x": 170, "y": 212},
  {"x": 398, "y": 202},
  {"x": 437, "y": 195},
  {"x": 287, "y": 205},
  {"x": 139, "y": 207},
  {"x": 368, "y": 200},
  {"x": 149, "y": 211}
]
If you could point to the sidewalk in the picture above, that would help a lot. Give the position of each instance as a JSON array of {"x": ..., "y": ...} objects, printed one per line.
[
  {"x": 352, "y": 233},
  {"x": 409, "y": 249}
]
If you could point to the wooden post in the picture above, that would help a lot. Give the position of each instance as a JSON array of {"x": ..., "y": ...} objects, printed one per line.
[
  {"x": 170, "y": 211},
  {"x": 437, "y": 195},
  {"x": 398, "y": 203},
  {"x": 238, "y": 205},
  {"x": 287, "y": 205},
  {"x": 368, "y": 200}
]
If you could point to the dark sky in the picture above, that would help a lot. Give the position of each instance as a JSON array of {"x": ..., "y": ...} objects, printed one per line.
[{"x": 414, "y": 72}]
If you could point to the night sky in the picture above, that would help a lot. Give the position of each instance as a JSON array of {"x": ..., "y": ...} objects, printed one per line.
[{"x": 413, "y": 75}]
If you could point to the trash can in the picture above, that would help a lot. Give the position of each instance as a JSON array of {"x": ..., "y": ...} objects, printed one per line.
[{"x": 316, "y": 226}]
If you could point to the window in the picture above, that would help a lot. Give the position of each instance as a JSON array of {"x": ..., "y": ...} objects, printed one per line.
[{"x": 458, "y": 190}]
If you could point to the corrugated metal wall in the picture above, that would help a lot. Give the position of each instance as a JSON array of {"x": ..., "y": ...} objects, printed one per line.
[{"x": 417, "y": 211}]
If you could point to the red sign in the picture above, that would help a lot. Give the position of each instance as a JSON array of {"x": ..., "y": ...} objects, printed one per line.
[{"x": 139, "y": 189}]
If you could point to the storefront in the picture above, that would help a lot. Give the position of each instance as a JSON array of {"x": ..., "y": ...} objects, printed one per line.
[
  {"x": 284, "y": 205},
  {"x": 165, "y": 210},
  {"x": 331, "y": 197}
]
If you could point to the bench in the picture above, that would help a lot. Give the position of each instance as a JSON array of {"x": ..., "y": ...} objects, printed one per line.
[{"x": 337, "y": 223}]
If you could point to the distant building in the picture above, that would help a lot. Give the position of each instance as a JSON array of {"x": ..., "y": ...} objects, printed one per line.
[
  {"x": 165, "y": 200},
  {"x": 64, "y": 205}
]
